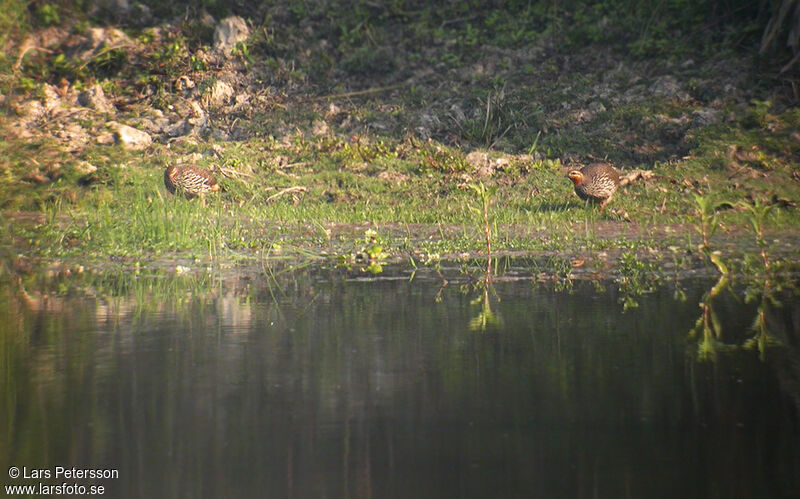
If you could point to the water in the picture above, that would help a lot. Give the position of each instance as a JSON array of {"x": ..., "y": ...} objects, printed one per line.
[{"x": 330, "y": 383}]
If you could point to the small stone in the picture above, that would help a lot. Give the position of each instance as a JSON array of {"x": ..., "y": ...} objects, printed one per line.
[
  {"x": 596, "y": 107},
  {"x": 51, "y": 98},
  {"x": 105, "y": 139},
  {"x": 95, "y": 98},
  {"x": 130, "y": 138},
  {"x": 218, "y": 95},
  {"x": 501, "y": 163},
  {"x": 30, "y": 109},
  {"x": 84, "y": 168},
  {"x": 667, "y": 86},
  {"x": 141, "y": 15},
  {"x": 184, "y": 84},
  {"x": 319, "y": 128},
  {"x": 198, "y": 117},
  {"x": 478, "y": 159},
  {"x": 706, "y": 116},
  {"x": 229, "y": 32},
  {"x": 178, "y": 129},
  {"x": 334, "y": 112},
  {"x": 101, "y": 39}
]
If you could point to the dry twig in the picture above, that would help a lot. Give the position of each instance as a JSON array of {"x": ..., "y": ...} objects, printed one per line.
[{"x": 289, "y": 190}]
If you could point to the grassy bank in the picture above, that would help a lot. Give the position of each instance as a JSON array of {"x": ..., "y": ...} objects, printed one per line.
[{"x": 344, "y": 121}]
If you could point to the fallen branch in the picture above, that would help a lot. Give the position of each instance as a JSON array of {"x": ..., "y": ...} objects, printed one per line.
[
  {"x": 288, "y": 190},
  {"x": 358, "y": 92},
  {"x": 636, "y": 175},
  {"x": 24, "y": 51},
  {"x": 105, "y": 50},
  {"x": 231, "y": 173}
]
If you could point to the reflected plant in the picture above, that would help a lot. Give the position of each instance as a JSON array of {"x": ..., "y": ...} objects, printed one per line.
[
  {"x": 636, "y": 277},
  {"x": 757, "y": 214},
  {"x": 708, "y": 327},
  {"x": 485, "y": 318},
  {"x": 679, "y": 260},
  {"x": 762, "y": 339},
  {"x": 762, "y": 288}
]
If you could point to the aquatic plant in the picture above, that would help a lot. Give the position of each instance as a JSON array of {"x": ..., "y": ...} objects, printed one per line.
[
  {"x": 485, "y": 198},
  {"x": 485, "y": 318},
  {"x": 635, "y": 277},
  {"x": 707, "y": 211},
  {"x": 757, "y": 213},
  {"x": 708, "y": 326}
]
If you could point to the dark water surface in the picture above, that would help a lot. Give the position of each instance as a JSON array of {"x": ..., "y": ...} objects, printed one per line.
[{"x": 321, "y": 383}]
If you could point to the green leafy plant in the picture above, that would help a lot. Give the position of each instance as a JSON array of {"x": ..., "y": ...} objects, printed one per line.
[
  {"x": 707, "y": 213},
  {"x": 485, "y": 198},
  {"x": 48, "y": 15},
  {"x": 757, "y": 213}
]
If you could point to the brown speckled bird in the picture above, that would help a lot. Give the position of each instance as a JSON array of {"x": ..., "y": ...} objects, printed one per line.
[
  {"x": 596, "y": 182},
  {"x": 192, "y": 181}
]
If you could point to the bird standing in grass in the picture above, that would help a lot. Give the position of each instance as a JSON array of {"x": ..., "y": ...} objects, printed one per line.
[
  {"x": 596, "y": 182},
  {"x": 189, "y": 180}
]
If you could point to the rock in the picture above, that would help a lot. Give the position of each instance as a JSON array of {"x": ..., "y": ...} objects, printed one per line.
[
  {"x": 105, "y": 139},
  {"x": 51, "y": 98},
  {"x": 242, "y": 99},
  {"x": 706, "y": 116},
  {"x": 220, "y": 135},
  {"x": 428, "y": 124},
  {"x": 477, "y": 159},
  {"x": 632, "y": 94},
  {"x": 30, "y": 109},
  {"x": 198, "y": 118},
  {"x": 184, "y": 84},
  {"x": 319, "y": 128},
  {"x": 667, "y": 86},
  {"x": 218, "y": 95},
  {"x": 178, "y": 129},
  {"x": 334, "y": 112},
  {"x": 84, "y": 168},
  {"x": 482, "y": 165},
  {"x": 95, "y": 98},
  {"x": 101, "y": 39},
  {"x": 72, "y": 136},
  {"x": 141, "y": 15},
  {"x": 129, "y": 137},
  {"x": 194, "y": 157},
  {"x": 114, "y": 8},
  {"x": 229, "y": 32},
  {"x": 596, "y": 107},
  {"x": 206, "y": 19}
]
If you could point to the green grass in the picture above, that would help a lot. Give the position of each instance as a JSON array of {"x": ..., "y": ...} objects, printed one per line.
[
  {"x": 125, "y": 209},
  {"x": 506, "y": 82}
]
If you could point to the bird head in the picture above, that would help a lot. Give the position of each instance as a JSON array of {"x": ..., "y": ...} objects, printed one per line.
[
  {"x": 576, "y": 176},
  {"x": 171, "y": 172}
]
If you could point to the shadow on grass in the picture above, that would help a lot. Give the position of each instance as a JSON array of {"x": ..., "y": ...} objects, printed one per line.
[{"x": 549, "y": 207}]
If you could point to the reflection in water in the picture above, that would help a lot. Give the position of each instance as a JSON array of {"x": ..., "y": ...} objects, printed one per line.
[
  {"x": 318, "y": 382},
  {"x": 485, "y": 318}
]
